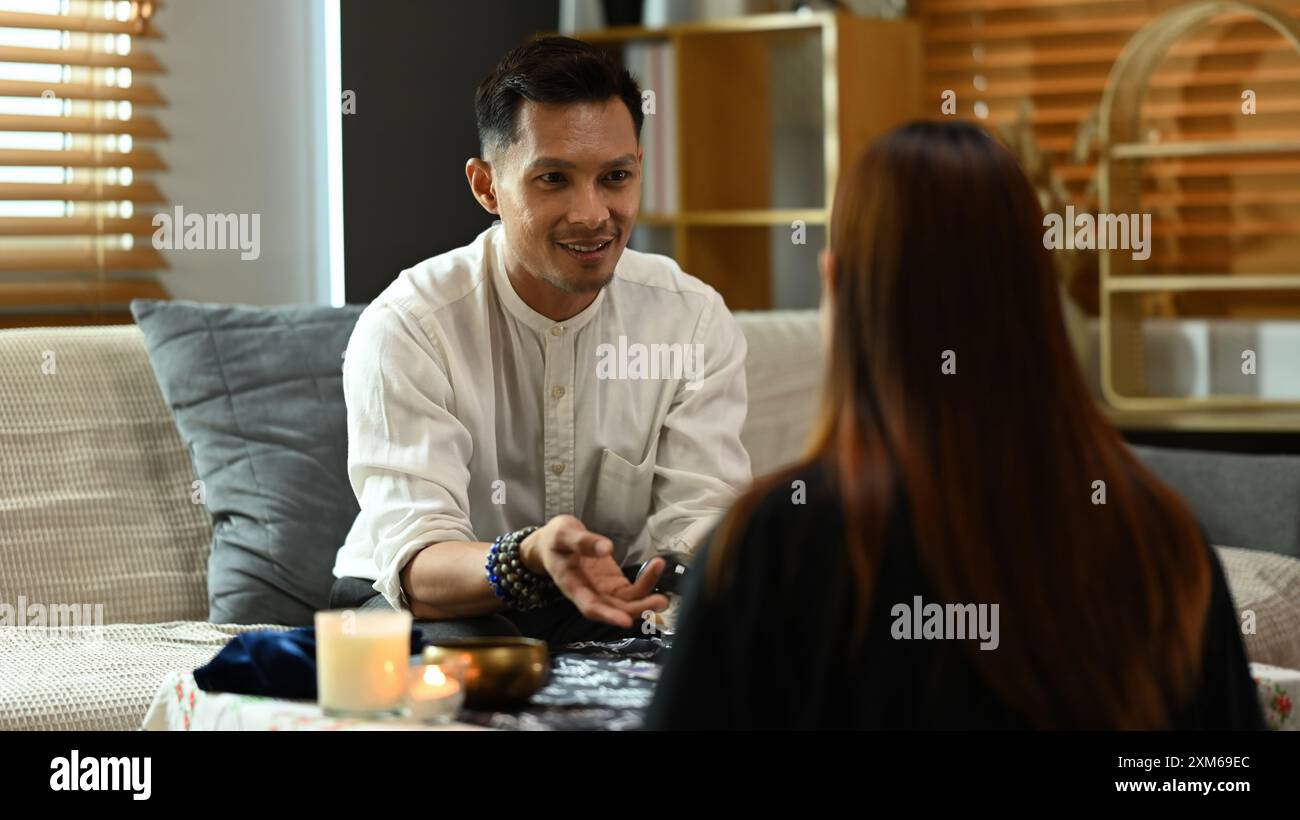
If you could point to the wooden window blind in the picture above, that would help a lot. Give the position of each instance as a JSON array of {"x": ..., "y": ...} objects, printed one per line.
[
  {"x": 76, "y": 136},
  {"x": 1224, "y": 214}
]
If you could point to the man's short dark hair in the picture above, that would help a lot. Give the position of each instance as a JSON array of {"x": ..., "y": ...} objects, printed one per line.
[{"x": 549, "y": 70}]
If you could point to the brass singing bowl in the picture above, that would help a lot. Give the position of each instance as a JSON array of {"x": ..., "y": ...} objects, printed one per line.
[{"x": 498, "y": 671}]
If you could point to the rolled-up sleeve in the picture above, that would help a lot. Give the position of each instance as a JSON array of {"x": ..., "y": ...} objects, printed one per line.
[
  {"x": 408, "y": 455},
  {"x": 701, "y": 465}
]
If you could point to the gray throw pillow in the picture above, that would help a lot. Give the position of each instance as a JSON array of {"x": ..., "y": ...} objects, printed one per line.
[
  {"x": 257, "y": 394},
  {"x": 1247, "y": 500}
]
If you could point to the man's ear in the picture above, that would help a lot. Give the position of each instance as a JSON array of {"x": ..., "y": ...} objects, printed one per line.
[{"x": 479, "y": 175}]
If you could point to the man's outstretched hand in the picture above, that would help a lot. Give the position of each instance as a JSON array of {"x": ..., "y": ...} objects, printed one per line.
[{"x": 582, "y": 565}]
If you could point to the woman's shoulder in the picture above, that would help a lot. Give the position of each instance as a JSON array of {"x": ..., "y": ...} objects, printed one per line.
[
  {"x": 806, "y": 484},
  {"x": 794, "y": 499},
  {"x": 797, "y": 519}
]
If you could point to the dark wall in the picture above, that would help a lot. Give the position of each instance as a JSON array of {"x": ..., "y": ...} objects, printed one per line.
[{"x": 413, "y": 66}]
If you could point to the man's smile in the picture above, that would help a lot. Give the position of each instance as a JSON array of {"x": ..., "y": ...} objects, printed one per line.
[{"x": 588, "y": 250}]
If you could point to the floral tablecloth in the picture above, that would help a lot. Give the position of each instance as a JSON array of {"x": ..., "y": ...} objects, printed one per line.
[
  {"x": 181, "y": 705},
  {"x": 1279, "y": 689}
]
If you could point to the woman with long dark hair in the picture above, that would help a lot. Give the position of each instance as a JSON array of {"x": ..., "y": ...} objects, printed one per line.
[{"x": 958, "y": 466}]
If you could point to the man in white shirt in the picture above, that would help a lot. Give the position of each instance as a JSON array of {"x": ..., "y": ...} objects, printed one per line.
[{"x": 533, "y": 413}]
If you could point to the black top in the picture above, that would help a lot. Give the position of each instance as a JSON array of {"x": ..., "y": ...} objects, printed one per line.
[{"x": 769, "y": 651}]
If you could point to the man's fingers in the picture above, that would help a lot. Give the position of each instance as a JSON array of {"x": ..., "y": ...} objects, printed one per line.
[
  {"x": 657, "y": 602},
  {"x": 588, "y": 543},
  {"x": 620, "y": 606},
  {"x": 635, "y": 607},
  {"x": 611, "y": 615},
  {"x": 596, "y": 607},
  {"x": 644, "y": 585},
  {"x": 611, "y": 610},
  {"x": 593, "y": 605}
]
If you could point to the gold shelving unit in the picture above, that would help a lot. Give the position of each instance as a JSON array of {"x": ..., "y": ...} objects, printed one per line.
[
  {"x": 722, "y": 230},
  {"x": 1123, "y": 287}
]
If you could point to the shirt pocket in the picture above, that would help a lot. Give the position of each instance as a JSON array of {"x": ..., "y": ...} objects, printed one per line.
[{"x": 622, "y": 497}]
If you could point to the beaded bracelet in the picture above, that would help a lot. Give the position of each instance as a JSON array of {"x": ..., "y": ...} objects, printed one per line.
[{"x": 519, "y": 587}]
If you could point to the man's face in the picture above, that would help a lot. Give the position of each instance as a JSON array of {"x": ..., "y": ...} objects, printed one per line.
[{"x": 568, "y": 191}]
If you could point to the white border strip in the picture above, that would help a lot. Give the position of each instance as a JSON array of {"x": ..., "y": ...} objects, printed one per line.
[{"x": 334, "y": 148}]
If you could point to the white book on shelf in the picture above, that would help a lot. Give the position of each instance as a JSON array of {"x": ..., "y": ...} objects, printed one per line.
[
  {"x": 637, "y": 60},
  {"x": 654, "y": 124},
  {"x": 653, "y": 66},
  {"x": 668, "y": 114}
]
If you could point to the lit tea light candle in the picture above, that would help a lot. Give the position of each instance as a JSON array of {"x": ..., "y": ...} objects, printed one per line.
[
  {"x": 362, "y": 662},
  {"x": 436, "y": 694}
]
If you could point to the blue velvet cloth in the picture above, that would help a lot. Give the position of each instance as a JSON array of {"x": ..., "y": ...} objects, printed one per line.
[{"x": 270, "y": 663}]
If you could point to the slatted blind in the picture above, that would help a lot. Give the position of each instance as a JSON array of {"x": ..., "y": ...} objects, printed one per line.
[
  {"x": 1224, "y": 214},
  {"x": 76, "y": 136}
]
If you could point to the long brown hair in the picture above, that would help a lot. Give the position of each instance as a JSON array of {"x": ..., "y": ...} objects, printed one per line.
[{"x": 939, "y": 258}]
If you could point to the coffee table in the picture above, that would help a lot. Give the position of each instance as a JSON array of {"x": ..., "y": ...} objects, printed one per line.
[
  {"x": 598, "y": 687},
  {"x": 603, "y": 685}
]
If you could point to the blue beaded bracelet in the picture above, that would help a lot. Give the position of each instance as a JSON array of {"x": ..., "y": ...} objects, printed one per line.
[{"x": 519, "y": 587}]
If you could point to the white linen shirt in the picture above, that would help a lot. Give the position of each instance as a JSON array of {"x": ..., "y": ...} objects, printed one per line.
[{"x": 470, "y": 414}]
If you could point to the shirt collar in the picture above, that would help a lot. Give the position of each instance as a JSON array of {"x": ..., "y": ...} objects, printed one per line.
[{"x": 518, "y": 307}]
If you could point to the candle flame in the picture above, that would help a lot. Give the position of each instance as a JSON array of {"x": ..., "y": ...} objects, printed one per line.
[{"x": 434, "y": 677}]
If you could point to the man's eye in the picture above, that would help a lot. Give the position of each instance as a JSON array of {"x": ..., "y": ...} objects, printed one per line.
[
  {"x": 620, "y": 176},
  {"x": 553, "y": 178}
]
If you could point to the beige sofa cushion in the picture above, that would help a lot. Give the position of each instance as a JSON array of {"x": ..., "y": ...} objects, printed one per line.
[
  {"x": 95, "y": 485},
  {"x": 90, "y": 678},
  {"x": 783, "y": 372}
]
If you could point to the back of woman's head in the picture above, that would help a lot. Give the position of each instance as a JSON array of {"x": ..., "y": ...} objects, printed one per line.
[
  {"x": 943, "y": 296},
  {"x": 951, "y": 386}
]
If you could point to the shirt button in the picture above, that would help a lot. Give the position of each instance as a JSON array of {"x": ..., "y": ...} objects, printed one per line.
[
  {"x": 557, "y": 468},
  {"x": 557, "y": 330},
  {"x": 557, "y": 392}
]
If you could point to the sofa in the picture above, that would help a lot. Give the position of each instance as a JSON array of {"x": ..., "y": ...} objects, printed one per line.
[{"x": 100, "y": 519}]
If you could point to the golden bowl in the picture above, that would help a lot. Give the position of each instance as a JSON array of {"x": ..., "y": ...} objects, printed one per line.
[{"x": 498, "y": 671}]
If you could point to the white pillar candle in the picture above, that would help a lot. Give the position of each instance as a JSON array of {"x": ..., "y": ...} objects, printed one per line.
[{"x": 362, "y": 661}]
